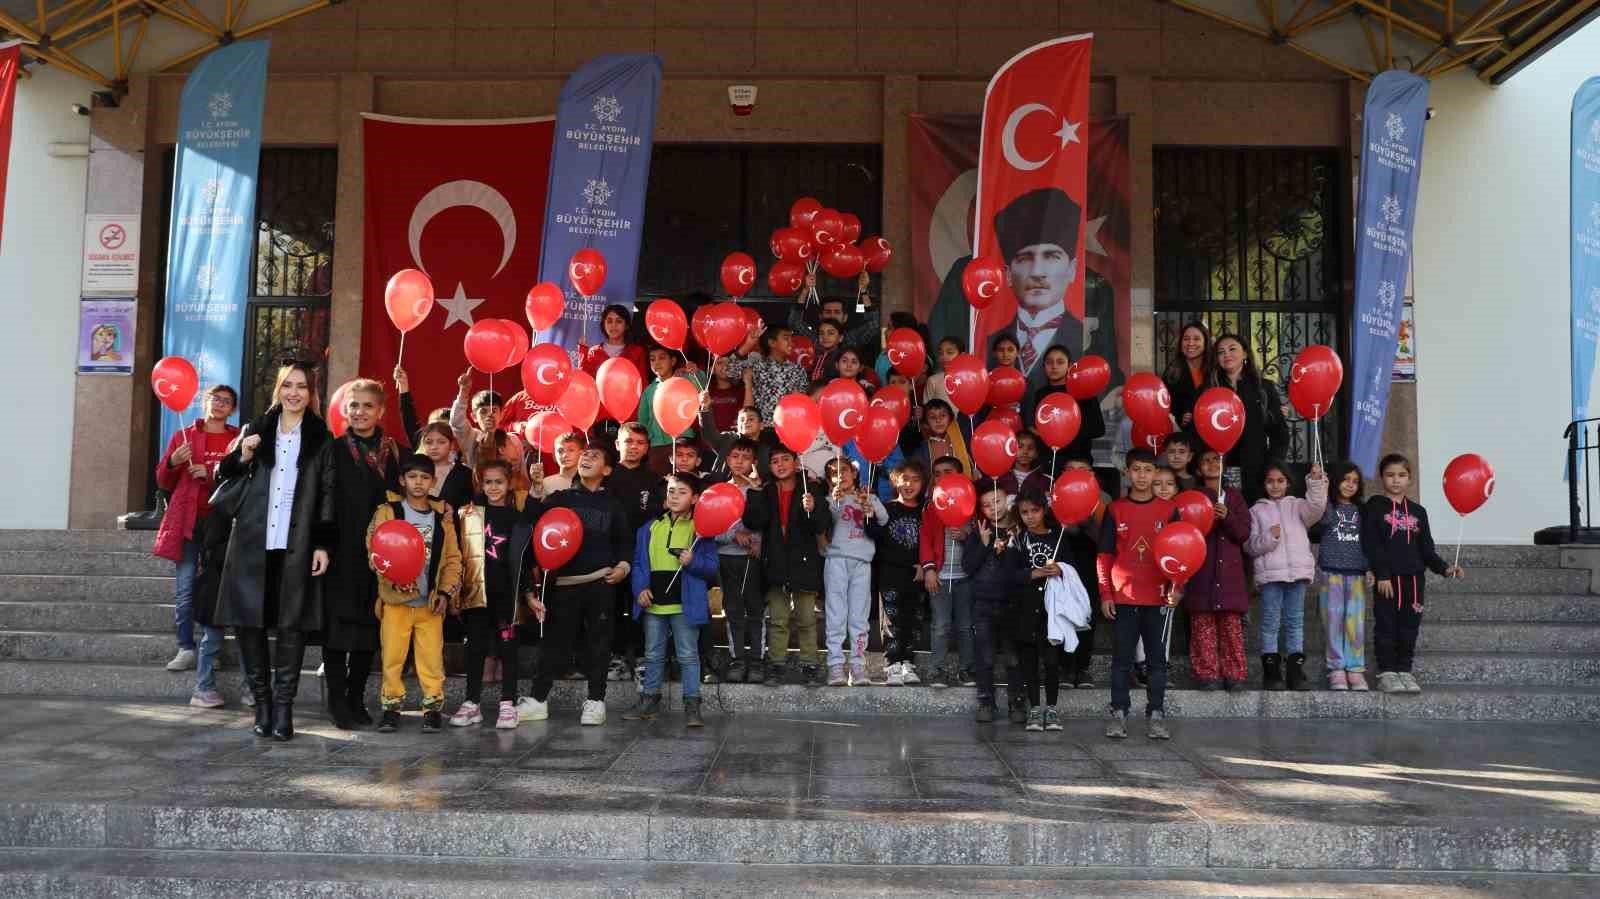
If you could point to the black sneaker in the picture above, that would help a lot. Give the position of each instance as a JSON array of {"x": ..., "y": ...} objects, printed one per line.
[
  {"x": 968, "y": 679},
  {"x": 390, "y": 722},
  {"x": 1018, "y": 713},
  {"x": 736, "y": 672},
  {"x": 985, "y": 713},
  {"x": 811, "y": 676},
  {"x": 756, "y": 673},
  {"x": 432, "y": 721}
]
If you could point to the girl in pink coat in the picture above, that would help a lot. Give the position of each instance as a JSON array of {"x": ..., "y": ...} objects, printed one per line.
[{"x": 1284, "y": 564}]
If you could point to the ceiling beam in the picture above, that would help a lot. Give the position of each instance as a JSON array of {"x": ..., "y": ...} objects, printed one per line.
[
  {"x": 1514, "y": 12},
  {"x": 1456, "y": 63},
  {"x": 1321, "y": 18},
  {"x": 67, "y": 7},
  {"x": 1533, "y": 41},
  {"x": 242, "y": 33},
  {"x": 1477, "y": 19},
  {"x": 205, "y": 28},
  {"x": 77, "y": 25}
]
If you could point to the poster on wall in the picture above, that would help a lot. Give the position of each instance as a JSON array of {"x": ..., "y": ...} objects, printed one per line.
[
  {"x": 110, "y": 254},
  {"x": 1405, "y": 354},
  {"x": 105, "y": 336}
]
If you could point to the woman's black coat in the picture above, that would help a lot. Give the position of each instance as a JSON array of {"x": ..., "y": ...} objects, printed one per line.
[
  {"x": 350, "y": 587},
  {"x": 241, "y": 592},
  {"x": 1266, "y": 433}
]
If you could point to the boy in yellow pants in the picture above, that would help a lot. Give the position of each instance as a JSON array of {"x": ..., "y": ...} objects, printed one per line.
[{"x": 411, "y": 616}]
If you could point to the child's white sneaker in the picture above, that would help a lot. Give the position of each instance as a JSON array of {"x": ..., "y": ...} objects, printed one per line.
[
  {"x": 466, "y": 714},
  {"x": 895, "y": 675},
  {"x": 594, "y": 713},
  {"x": 530, "y": 709},
  {"x": 507, "y": 719}
]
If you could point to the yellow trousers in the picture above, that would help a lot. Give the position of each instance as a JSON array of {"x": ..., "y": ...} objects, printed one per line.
[{"x": 418, "y": 628}]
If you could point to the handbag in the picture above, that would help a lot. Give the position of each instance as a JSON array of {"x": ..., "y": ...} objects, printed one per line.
[{"x": 229, "y": 493}]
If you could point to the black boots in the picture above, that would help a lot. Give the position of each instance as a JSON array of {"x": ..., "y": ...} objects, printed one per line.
[
  {"x": 1272, "y": 671},
  {"x": 691, "y": 713},
  {"x": 288, "y": 659},
  {"x": 253, "y": 651},
  {"x": 1296, "y": 672},
  {"x": 335, "y": 687},
  {"x": 648, "y": 707}
]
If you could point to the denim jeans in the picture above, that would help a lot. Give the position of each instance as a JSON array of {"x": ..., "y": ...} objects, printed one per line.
[
  {"x": 686, "y": 639},
  {"x": 1283, "y": 604},
  {"x": 953, "y": 599},
  {"x": 205, "y": 672},
  {"x": 1134, "y": 626},
  {"x": 184, "y": 596}
]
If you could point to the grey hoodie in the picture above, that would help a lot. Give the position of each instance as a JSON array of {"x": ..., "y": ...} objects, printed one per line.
[{"x": 849, "y": 539}]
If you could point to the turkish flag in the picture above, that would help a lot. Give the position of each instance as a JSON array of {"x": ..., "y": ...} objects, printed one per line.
[
  {"x": 1032, "y": 174},
  {"x": 464, "y": 202},
  {"x": 10, "y": 58}
]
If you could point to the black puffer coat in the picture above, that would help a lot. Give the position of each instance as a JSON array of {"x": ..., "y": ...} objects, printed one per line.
[{"x": 241, "y": 592}]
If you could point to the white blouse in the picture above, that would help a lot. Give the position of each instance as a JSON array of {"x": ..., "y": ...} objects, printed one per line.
[{"x": 280, "y": 497}]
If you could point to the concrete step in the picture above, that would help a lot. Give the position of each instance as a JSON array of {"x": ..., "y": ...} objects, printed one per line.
[
  {"x": 1527, "y": 608},
  {"x": 1500, "y": 556},
  {"x": 36, "y": 561},
  {"x": 137, "y": 874},
  {"x": 1440, "y": 700},
  {"x": 86, "y": 616},
  {"x": 79, "y": 540},
  {"x": 1508, "y": 636},
  {"x": 86, "y": 588},
  {"x": 1513, "y": 581},
  {"x": 115, "y": 648}
]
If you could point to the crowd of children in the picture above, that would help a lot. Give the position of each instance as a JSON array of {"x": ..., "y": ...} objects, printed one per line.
[{"x": 826, "y": 535}]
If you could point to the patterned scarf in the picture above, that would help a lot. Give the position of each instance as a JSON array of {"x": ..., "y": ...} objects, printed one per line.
[{"x": 374, "y": 451}]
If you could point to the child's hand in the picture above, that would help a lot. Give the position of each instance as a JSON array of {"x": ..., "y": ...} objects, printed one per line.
[
  {"x": 402, "y": 383},
  {"x": 864, "y": 497},
  {"x": 644, "y": 598},
  {"x": 1317, "y": 474},
  {"x": 930, "y": 581},
  {"x": 985, "y": 533},
  {"x": 1386, "y": 590},
  {"x": 1277, "y": 532},
  {"x": 1108, "y": 608},
  {"x": 808, "y": 503},
  {"x": 377, "y": 609},
  {"x": 536, "y": 606},
  {"x": 685, "y": 556},
  {"x": 182, "y": 455},
  {"x": 1219, "y": 509},
  {"x": 1371, "y": 579},
  {"x": 1455, "y": 571},
  {"x": 1175, "y": 596},
  {"x": 465, "y": 381},
  {"x": 440, "y": 603}
]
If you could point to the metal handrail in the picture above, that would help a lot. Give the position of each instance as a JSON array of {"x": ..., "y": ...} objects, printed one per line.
[{"x": 1580, "y": 514}]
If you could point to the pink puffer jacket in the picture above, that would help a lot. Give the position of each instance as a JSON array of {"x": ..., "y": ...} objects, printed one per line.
[{"x": 1287, "y": 558}]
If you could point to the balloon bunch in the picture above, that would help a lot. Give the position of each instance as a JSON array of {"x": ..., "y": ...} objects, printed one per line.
[{"x": 818, "y": 236}]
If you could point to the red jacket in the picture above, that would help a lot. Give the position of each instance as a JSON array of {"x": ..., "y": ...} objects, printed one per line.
[
  {"x": 1130, "y": 576},
  {"x": 931, "y": 542},
  {"x": 632, "y": 352},
  {"x": 183, "y": 509}
]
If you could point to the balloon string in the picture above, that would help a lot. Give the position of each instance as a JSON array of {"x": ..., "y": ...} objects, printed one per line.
[
  {"x": 1460, "y": 531},
  {"x": 680, "y": 568},
  {"x": 1057, "y": 551},
  {"x": 542, "y": 585},
  {"x": 402, "y": 355},
  {"x": 1052, "y": 474}
]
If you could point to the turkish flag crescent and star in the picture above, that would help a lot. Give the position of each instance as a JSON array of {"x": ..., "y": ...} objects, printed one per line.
[
  {"x": 1032, "y": 191},
  {"x": 464, "y": 202}
]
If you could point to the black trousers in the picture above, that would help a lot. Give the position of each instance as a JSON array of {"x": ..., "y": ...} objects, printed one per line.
[
  {"x": 745, "y": 605},
  {"x": 1029, "y": 655},
  {"x": 987, "y": 622},
  {"x": 1398, "y": 620},
  {"x": 567, "y": 607},
  {"x": 1135, "y": 623},
  {"x": 903, "y": 608},
  {"x": 483, "y": 641},
  {"x": 626, "y": 637},
  {"x": 345, "y": 675},
  {"x": 1083, "y": 656}
]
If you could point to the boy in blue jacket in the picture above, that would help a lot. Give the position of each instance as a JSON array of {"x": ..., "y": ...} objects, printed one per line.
[{"x": 671, "y": 571}]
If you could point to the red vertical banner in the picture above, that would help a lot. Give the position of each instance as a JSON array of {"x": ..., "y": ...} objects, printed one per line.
[
  {"x": 1032, "y": 193},
  {"x": 10, "y": 58}
]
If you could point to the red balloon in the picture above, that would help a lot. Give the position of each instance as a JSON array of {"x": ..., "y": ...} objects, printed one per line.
[
  {"x": 1154, "y": 441},
  {"x": 982, "y": 281},
  {"x": 726, "y": 328},
  {"x": 966, "y": 382},
  {"x": 546, "y": 372},
  {"x": 827, "y": 227},
  {"x": 488, "y": 346},
  {"x": 791, "y": 244},
  {"x": 1196, "y": 508},
  {"x": 544, "y": 305},
  {"x": 954, "y": 500},
  {"x": 1147, "y": 402},
  {"x": 852, "y": 227},
  {"x": 843, "y": 403},
  {"x": 906, "y": 351},
  {"x": 175, "y": 382},
  {"x": 408, "y": 298},
  {"x": 666, "y": 324},
  {"x": 994, "y": 448},
  {"x": 557, "y": 538},
  {"x": 786, "y": 278},
  {"x": 896, "y": 400},
  {"x": 337, "y": 423},
  {"x": 1219, "y": 418},
  {"x": 738, "y": 274},
  {"x": 717, "y": 508},
  {"x": 675, "y": 404},
  {"x": 697, "y": 323},
  {"x": 878, "y": 252},
  {"x": 1088, "y": 377},
  {"x": 1468, "y": 482},
  {"x": 842, "y": 260},
  {"x": 620, "y": 387},
  {"x": 1006, "y": 386},
  {"x": 802, "y": 351},
  {"x": 879, "y": 432},
  {"x": 1057, "y": 420},
  {"x": 1074, "y": 496},
  {"x": 1314, "y": 380},
  {"x": 803, "y": 211},
  {"x": 397, "y": 552},
  {"x": 519, "y": 337},
  {"x": 1180, "y": 550},
  {"x": 545, "y": 428},
  {"x": 797, "y": 419},
  {"x": 587, "y": 271},
  {"x": 1006, "y": 415},
  {"x": 579, "y": 403}
]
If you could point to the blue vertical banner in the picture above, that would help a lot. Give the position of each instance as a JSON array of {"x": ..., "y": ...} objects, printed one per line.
[
  {"x": 1386, "y": 209},
  {"x": 213, "y": 218},
  {"x": 1585, "y": 212},
  {"x": 599, "y": 171}
]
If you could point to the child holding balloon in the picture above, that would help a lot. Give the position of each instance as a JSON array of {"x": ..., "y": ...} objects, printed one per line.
[
  {"x": 983, "y": 558},
  {"x": 847, "y": 570},
  {"x": 1283, "y": 568},
  {"x": 1132, "y": 593},
  {"x": 1399, "y": 545},
  {"x": 1217, "y": 596},
  {"x": 1343, "y": 584}
]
